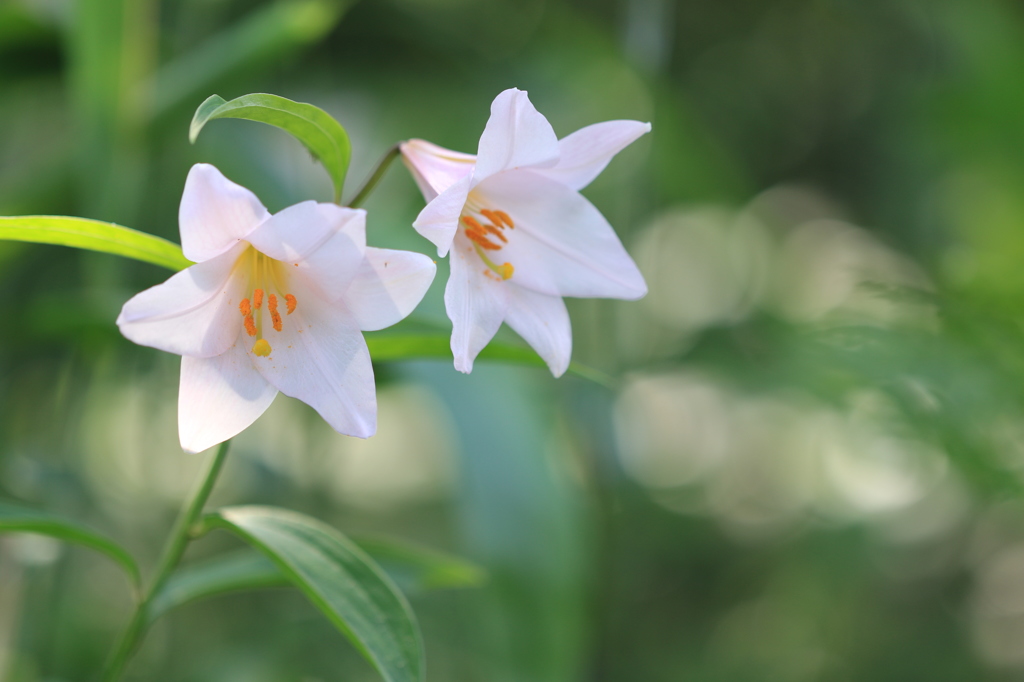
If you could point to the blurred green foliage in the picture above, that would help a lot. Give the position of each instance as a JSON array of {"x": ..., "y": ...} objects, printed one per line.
[{"x": 813, "y": 469}]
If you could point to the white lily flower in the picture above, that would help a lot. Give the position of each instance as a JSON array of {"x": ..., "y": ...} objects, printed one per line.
[
  {"x": 273, "y": 303},
  {"x": 520, "y": 233}
]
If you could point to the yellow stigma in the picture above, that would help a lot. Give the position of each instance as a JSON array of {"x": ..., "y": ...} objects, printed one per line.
[
  {"x": 505, "y": 270},
  {"x": 261, "y": 348}
]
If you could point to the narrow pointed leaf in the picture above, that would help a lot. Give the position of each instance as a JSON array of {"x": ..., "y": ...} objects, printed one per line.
[
  {"x": 21, "y": 519},
  {"x": 413, "y": 568},
  {"x": 246, "y": 570},
  {"x": 393, "y": 346},
  {"x": 322, "y": 135},
  {"x": 417, "y": 568},
  {"x": 93, "y": 235},
  {"x": 340, "y": 580}
]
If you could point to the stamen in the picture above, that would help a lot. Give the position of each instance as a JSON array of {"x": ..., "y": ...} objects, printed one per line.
[
  {"x": 472, "y": 223},
  {"x": 275, "y": 317},
  {"x": 492, "y": 216},
  {"x": 261, "y": 348},
  {"x": 481, "y": 240},
  {"x": 245, "y": 307},
  {"x": 496, "y": 232},
  {"x": 290, "y": 303},
  {"x": 257, "y": 298},
  {"x": 250, "y": 325},
  {"x": 504, "y": 218}
]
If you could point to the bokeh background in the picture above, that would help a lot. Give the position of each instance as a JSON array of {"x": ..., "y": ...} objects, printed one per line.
[{"x": 811, "y": 464}]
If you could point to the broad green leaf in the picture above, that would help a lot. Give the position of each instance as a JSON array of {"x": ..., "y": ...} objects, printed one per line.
[
  {"x": 25, "y": 520},
  {"x": 413, "y": 568},
  {"x": 393, "y": 346},
  {"x": 340, "y": 580},
  {"x": 325, "y": 138},
  {"x": 93, "y": 235}
]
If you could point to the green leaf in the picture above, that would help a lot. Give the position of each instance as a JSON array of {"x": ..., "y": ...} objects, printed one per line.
[
  {"x": 391, "y": 346},
  {"x": 325, "y": 138},
  {"x": 231, "y": 573},
  {"x": 418, "y": 568},
  {"x": 93, "y": 235},
  {"x": 340, "y": 580},
  {"x": 412, "y": 567},
  {"x": 21, "y": 519}
]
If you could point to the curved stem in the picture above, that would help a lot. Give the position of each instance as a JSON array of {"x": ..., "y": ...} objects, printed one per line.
[
  {"x": 177, "y": 542},
  {"x": 378, "y": 173}
]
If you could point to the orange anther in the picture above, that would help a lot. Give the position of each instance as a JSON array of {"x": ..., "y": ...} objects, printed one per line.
[
  {"x": 290, "y": 303},
  {"x": 245, "y": 307},
  {"x": 272, "y": 303},
  {"x": 261, "y": 348},
  {"x": 257, "y": 298},
  {"x": 496, "y": 232},
  {"x": 505, "y": 219},
  {"x": 472, "y": 222},
  {"x": 275, "y": 319},
  {"x": 480, "y": 239},
  {"x": 491, "y": 215},
  {"x": 250, "y": 325}
]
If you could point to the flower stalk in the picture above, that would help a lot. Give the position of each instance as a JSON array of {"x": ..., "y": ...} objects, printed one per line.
[
  {"x": 375, "y": 177},
  {"x": 181, "y": 534}
]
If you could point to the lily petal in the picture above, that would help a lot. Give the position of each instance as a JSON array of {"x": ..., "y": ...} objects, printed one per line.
[
  {"x": 322, "y": 244},
  {"x": 585, "y": 153},
  {"x": 387, "y": 287},
  {"x": 475, "y": 304},
  {"x": 516, "y": 136},
  {"x": 561, "y": 244},
  {"x": 192, "y": 313},
  {"x": 215, "y": 213},
  {"x": 543, "y": 322},
  {"x": 439, "y": 220},
  {"x": 320, "y": 358},
  {"x": 435, "y": 168},
  {"x": 219, "y": 397}
]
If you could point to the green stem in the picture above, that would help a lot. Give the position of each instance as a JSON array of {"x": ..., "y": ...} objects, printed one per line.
[
  {"x": 181, "y": 535},
  {"x": 378, "y": 173}
]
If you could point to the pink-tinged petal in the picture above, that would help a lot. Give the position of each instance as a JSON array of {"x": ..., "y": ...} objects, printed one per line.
[
  {"x": 435, "y": 168},
  {"x": 215, "y": 213},
  {"x": 219, "y": 397},
  {"x": 516, "y": 136},
  {"x": 475, "y": 302},
  {"x": 320, "y": 244},
  {"x": 194, "y": 313},
  {"x": 387, "y": 287},
  {"x": 439, "y": 220},
  {"x": 320, "y": 358},
  {"x": 585, "y": 153},
  {"x": 543, "y": 322},
  {"x": 561, "y": 244}
]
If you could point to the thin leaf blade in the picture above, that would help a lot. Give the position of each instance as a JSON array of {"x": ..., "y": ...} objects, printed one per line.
[
  {"x": 93, "y": 235},
  {"x": 391, "y": 346},
  {"x": 322, "y": 135},
  {"x": 413, "y": 568},
  {"x": 22, "y": 519},
  {"x": 340, "y": 580},
  {"x": 246, "y": 570}
]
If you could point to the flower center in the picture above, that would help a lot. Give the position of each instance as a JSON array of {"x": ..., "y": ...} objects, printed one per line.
[
  {"x": 264, "y": 276},
  {"x": 486, "y": 229}
]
